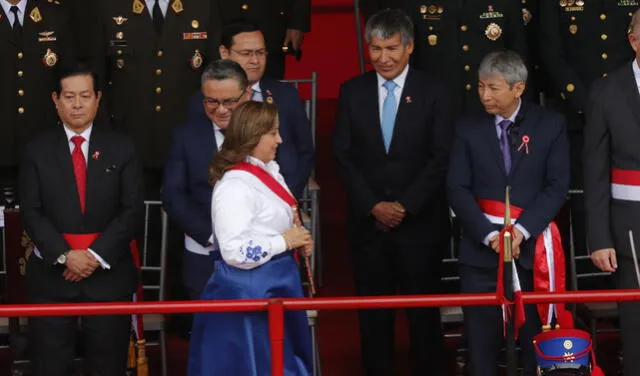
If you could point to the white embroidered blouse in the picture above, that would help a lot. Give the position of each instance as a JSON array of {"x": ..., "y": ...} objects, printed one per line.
[{"x": 249, "y": 218}]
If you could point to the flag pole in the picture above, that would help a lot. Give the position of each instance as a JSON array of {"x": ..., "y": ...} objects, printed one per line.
[{"x": 511, "y": 360}]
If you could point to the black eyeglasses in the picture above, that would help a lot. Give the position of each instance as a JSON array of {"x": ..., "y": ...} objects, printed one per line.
[{"x": 228, "y": 103}]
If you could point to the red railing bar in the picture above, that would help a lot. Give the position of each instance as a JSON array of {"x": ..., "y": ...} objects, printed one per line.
[
  {"x": 168, "y": 307},
  {"x": 594, "y": 296},
  {"x": 276, "y": 336}
]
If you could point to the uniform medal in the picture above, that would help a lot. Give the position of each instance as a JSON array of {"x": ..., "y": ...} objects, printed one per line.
[
  {"x": 50, "y": 58},
  {"x": 493, "y": 31},
  {"x": 196, "y": 60}
]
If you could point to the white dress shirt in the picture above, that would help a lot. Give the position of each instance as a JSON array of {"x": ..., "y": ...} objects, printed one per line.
[
  {"x": 498, "y": 119},
  {"x": 86, "y": 134},
  {"x": 6, "y": 6},
  {"x": 248, "y": 218},
  {"x": 382, "y": 92},
  {"x": 164, "y": 4},
  {"x": 256, "y": 92},
  {"x": 636, "y": 73},
  {"x": 190, "y": 244}
]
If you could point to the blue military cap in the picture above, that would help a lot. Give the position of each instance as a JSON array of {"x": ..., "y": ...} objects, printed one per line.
[{"x": 565, "y": 352}]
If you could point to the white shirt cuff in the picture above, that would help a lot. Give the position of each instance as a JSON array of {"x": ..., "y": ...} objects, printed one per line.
[
  {"x": 210, "y": 241},
  {"x": 523, "y": 230},
  {"x": 487, "y": 238},
  {"x": 103, "y": 263},
  {"x": 278, "y": 245}
]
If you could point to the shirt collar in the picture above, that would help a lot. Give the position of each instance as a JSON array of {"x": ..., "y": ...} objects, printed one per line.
[
  {"x": 163, "y": 3},
  {"x": 86, "y": 134},
  {"x": 399, "y": 80},
  {"x": 636, "y": 71},
  {"x": 256, "y": 87},
  {"x": 22, "y": 5},
  {"x": 215, "y": 126},
  {"x": 272, "y": 167},
  {"x": 513, "y": 115}
]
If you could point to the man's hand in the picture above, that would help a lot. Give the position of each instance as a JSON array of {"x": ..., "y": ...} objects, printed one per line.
[
  {"x": 494, "y": 243},
  {"x": 389, "y": 214},
  {"x": 81, "y": 263},
  {"x": 295, "y": 37},
  {"x": 71, "y": 276},
  {"x": 518, "y": 237},
  {"x": 605, "y": 259},
  {"x": 382, "y": 227}
]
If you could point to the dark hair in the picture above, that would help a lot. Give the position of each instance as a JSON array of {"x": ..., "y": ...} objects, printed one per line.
[
  {"x": 225, "y": 69},
  {"x": 387, "y": 23},
  {"x": 249, "y": 122},
  {"x": 232, "y": 29},
  {"x": 76, "y": 68}
]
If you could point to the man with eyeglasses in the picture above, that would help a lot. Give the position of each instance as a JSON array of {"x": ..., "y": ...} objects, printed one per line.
[
  {"x": 186, "y": 192},
  {"x": 244, "y": 43}
]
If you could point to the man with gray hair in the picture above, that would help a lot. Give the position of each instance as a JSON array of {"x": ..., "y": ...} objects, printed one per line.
[
  {"x": 518, "y": 145},
  {"x": 612, "y": 192},
  {"x": 391, "y": 142},
  {"x": 186, "y": 192}
]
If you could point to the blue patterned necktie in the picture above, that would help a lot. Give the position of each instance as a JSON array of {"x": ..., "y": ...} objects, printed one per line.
[
  {"x": 389, "y": 110},
  {"x": 504, "y": 144}
]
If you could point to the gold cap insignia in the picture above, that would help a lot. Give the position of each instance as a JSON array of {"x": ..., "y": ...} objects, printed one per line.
[
  {"x": 120, "y": 20},
  {"x": 50, "y": 58},
  {"x": 195, "y": 24},
  {"x": 567, "y": 344},
  {"x": 35, "y": 15},
  {"x": 196, "y": 60},
  {"x": 177, "y": 6},
  {"x": 138, "y": 7},
  {"x": 493, "y": 31},
  {"x": 432, "y": 39}
]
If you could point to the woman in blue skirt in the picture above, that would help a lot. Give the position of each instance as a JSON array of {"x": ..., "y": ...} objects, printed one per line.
[{"x": 257, "y": 229}]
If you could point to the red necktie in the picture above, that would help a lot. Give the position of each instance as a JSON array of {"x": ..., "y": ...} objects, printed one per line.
[{"x": 79, "y": 169}]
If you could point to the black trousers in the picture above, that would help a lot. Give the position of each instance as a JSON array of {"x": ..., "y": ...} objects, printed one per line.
[
  {"x": 484, "y": 327},
  {"x": 53, "y": 342},
  {"x": 625, "y": 278},
  {"x": 384, "y": 266}
]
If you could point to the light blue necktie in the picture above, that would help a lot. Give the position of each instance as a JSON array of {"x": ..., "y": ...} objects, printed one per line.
[{"x": 389, "y": 110}]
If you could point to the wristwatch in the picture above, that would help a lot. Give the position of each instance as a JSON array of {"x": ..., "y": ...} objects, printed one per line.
[{"x": 62, "y": 259}]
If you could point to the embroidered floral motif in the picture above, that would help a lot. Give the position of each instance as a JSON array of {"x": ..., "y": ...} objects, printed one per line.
[{"x": 254, "y": 253}]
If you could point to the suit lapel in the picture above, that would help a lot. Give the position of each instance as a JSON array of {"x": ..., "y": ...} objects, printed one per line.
[
  {"x": 491, "y": 138},
  {"x": 372, "y": 118},
  {"x": 5, "y": 26},
  {"x": 171, "y": 20},
  {"x": 68, "y": 177},
  {"x": 525, "y": 126},
  {"x": 630, "y": 88},
  {"x": 95, "y": 168},
  {"x": 406, "y": 114},
  {"x": 145, "y": 19},
  {"x": 29, "y": 26}
]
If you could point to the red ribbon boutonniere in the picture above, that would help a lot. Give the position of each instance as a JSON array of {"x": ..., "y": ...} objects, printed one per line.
[
  {"x": 524, "y": 144},
  {"x": 407, "y": 99},
  {"x": 96, "y": 155}
]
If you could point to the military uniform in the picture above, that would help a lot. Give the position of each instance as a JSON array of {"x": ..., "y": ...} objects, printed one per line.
[
  {"x": 150, "y": 77},
  {"x": 273, "y": 17},
  {"x": 538, "y": 82},
  {"x": 452, "y": 37},
  {"x": 27, "y": 64},
  {"x": 581, "y": 41}
]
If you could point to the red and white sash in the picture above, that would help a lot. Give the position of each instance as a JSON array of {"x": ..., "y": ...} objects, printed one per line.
[
  {"x": 625, "y": 184},
  {"x": 548, "y": 263}
]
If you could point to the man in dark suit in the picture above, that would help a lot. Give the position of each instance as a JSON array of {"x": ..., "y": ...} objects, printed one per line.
[
  {"x": 81, "y": 201},
  {"x": 152, "y": 53},
  {"x": 452, "y": 36},
  {"x": 244, "y": 43},
  {"x": 612, "y": 165},
  {"x": 394, "y": 169},
  {"x": 283, "y": 23},
  {"x": 513, "y": 144},
  {"x": 186, "y": 191},
  {"x": 34, "y": 40}
]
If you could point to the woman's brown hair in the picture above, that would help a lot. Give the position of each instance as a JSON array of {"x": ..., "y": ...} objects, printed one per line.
[{"x": 249, "y": 122}]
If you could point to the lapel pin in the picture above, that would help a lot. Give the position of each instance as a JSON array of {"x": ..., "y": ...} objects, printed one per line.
[
  {"x": 96, "y": 155},
  {"x": 407, "y": 99},
  {"x": 524, "y": 144}
]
